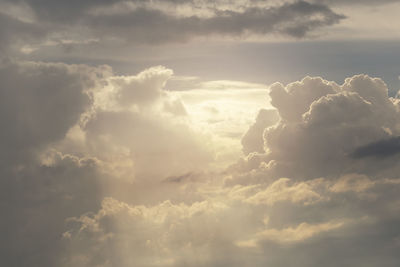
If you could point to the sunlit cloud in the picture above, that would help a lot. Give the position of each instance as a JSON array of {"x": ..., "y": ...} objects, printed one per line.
[{"x": 199, "y": 133}]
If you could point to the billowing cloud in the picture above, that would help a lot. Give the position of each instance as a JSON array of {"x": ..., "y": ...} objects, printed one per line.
[
  {"x": 324, "y": 125},
  {"x": 31, "y": 122},
  {"x": 144, "y": 88},
  {"x": 39, "y": 103},
  {"x": 136, "y": 166},
  {"x": 234, "y": 231},
  {"x": 101, "y": 169},
  {"x": 66, "y": 137},
  {"x": 253, "y": 140},
  {"x": 329, "y": 202}
]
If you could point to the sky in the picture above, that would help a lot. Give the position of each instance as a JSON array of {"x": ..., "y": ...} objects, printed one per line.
[{"x": 199, "y": 133}]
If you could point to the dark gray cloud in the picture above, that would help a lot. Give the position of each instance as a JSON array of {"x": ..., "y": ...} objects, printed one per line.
[
  {"x": 154, "y": 26},
  {"x": 14, "y": 33},
  {"x": 35, "y": 202},
  {"x": 180, "y": 178},
  {"x": 155, "y": 23},
  {"x": 380, "y": 149},
  {"x": 61, "y": 11},
  {"x": 39, "y": 103},
  {"x": 355, "y": 2}
]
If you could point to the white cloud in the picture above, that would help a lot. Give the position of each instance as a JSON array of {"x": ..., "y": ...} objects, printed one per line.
[
  {"x": 352, "y": 182},
  {"x": 112, "y": 181},
  {"x": 281, "y": 191},
  {"x": 144, "y": 88},
  {"x": 324, "y": 123},
  {"x": 299, "y": 233}
]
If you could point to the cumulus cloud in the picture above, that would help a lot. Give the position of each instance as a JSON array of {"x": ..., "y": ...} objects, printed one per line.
[
  {"x": 143, "y": 88},
  {"x": 35, "y": 202},
  {"x": 106, "y": 170},
  {"x": 294, "y": 100},
  {"x": 253, "y": 140},
  {"x": 148, "y": 142},
  {"x": 39, "y": 103},
  {"x": 167, "y": 230},
  {"x": 30, "y": 121},
  {"x": 324, "y": 125},
  {"x": 330, "y": 200},
  {"x": 234, "y": 231},
  {"x": 66, "y": 137}
]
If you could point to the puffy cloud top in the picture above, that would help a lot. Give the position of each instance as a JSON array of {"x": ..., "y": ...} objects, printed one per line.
[
  {"x": 326, "y": 129},
  {"x": 103, "y": 170}
]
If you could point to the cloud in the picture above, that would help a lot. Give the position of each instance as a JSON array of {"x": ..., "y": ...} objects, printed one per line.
[
  {"x": 281, "y": 191},
  {"x": 300, "y": 233},
  {"x": 294, "y": 100},
  {"x": 31, "y": 122},
  {"x": 355, "y": 2},
  {"x": 292, "y": 19},
  {"x": 223, "y": 110},
  {"x": 324, "y": 123},
  {"x": 158, "y": 22},
  {"x": 234, "y": 231},
  {"x": 36, "y": 200},
  {"x": 15, "y": 33},
  {"x": 253, "y": 140},
  {"x": 166, "y": 230},
  {"x": 39, "y": 103},
  {"x": 55, "y": 161},
  {"x": 352, "y": 182},
  {"x": 175, "y": 107},
  {"x": 148, "y": 142},
  {"x": 143, "y": 88},
  {"x": 103, "y": 170},
  {"x": 379, "y": 149}
]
